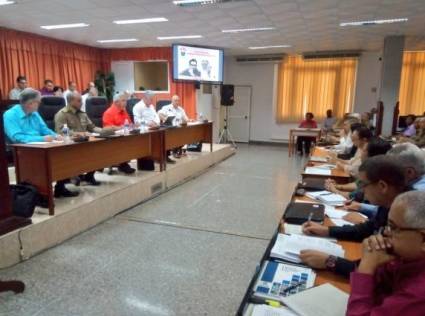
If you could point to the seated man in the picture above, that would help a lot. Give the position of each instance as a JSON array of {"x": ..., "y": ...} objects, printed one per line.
[
  {"x": 78, "y": 122},
  {"x": 72, "y": 87},
  {"x": 382, "y": 179},
  {"x": 410, "y": 129},
  {"x": 390, "y": 279},
  {"x": 23, "y": 125},
  {"x": 21, "y": 84},
  {"x": 309, "y": 122},
  {"x": 116, "y": 116},
  {"x": 144, "y": 111},
  {"x": 174, "y": 109},
  {"x": 329, "y": 121},
  {"x": 47, "y": 90}
]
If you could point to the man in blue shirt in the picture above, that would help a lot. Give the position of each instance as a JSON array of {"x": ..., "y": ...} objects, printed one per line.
[{"x": 23, "y": 125}]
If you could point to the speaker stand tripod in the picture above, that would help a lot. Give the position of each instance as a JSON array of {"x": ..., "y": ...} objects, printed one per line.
[{"x": 225, "y": 133}]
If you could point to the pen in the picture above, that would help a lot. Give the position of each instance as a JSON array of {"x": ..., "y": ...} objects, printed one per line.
[{"x": 310, "y": 217}]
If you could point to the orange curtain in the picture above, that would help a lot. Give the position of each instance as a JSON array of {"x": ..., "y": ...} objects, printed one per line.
[
  {"x": 315, "y": 86},
  {"x": 186, "y": 91},
  {"x": 39, "y": 58},
  {"x": 412, "y": 84}
]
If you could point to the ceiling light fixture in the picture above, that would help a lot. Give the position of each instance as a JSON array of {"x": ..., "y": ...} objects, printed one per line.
[
  {"x": 164, "y": 38},
  {"x": 191, "y": 3},
  {"x": 118, "y": 40},
  {"x": 373, "y": 22},
  {"x": 270, "y": 46},
  {"x": 254, "y": 29},
  {"x": 64, "y": 26},
  {"x": 5, "y": 2},
  {"x": 148, "y": 20}
]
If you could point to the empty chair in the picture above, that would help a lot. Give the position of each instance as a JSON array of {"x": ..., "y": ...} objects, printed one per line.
[
  {"x": 49, "y": 106},
  {"x": 95, "y": 107},
  {"x": 130, "y": 105},
  {"x": 161, "y": 103}
]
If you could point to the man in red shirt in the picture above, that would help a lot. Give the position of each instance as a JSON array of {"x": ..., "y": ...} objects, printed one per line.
[
  {"x": 309, "y": 122},
  {"x": 116, "y": 116}
]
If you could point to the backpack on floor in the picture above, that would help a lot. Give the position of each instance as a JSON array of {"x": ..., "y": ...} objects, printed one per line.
[{"x": 24, "y": 199}]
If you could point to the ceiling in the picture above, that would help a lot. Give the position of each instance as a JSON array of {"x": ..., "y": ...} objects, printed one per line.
[{"x": 306, "y": 25}]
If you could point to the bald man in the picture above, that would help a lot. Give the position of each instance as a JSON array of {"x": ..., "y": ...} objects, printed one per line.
[{"x": 173, "y": 109}]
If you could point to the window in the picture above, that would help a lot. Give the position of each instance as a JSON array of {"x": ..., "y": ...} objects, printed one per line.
[
  {"x": 315, "y": 85},
  {"x": 151, "y": 75},
  {"x": 412, "y": 84}
]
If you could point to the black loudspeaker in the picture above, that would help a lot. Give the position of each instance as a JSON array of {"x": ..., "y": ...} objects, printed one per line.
[
  {"x": 227, "y": 95},
  {"x": 197, "y": 85}
]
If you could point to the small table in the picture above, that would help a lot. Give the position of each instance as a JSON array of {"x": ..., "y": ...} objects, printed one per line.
[{"x": 306, "y": 132}]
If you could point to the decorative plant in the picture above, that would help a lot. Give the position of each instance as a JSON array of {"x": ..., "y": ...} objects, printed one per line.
[{"x": 105, "y": 84}]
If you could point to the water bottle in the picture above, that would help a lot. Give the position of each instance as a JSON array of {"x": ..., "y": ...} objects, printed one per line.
[
  {"x": 143, "y": 126},
  {"x": 65, "y": 132},
  {"x": 126, "y": 127},
  {"x": 201, "y": 117}
]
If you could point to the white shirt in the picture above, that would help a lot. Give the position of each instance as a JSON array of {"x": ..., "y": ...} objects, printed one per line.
[
  {"x": 84, "y": 98},
  {"x": 143, "y": 112},
  {"x": 15, "y": 93},
  {"x": 345, "y": 144},
  {"x": 170, "y": 110},
  {"x": 65, "y": 95}
]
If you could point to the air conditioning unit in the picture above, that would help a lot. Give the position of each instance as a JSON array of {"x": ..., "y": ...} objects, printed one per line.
[
  {"x": 275, "y": 58},
  {"x": 332, "y": 54}
]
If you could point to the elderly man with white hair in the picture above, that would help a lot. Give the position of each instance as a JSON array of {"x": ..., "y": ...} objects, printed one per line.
[
  {"x": 390, "y": 279},
  {"x": 173, "y": 109},
  {"x": 144, "y": 111}
]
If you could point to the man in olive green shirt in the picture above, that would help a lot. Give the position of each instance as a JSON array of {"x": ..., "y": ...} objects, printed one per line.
[{"x": 78, "y": 122}]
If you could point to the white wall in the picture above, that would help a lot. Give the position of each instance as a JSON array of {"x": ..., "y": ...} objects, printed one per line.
[{"x": 263, "y": 79}]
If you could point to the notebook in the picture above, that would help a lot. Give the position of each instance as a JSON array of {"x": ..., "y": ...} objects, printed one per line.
[
  {"x": 318, "y": 171},
  {"x": 288, "y": 247},
  {"x": 323, "y": 300},
  {"x": 327, "y": 197},
  {"x": 276, "y": 277},
  {"x": 298, "y": 213}
]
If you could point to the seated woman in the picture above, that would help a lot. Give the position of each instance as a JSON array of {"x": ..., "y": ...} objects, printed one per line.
[
  {"x": 390, "y": 279},
  {"x": 309, "y": 122},
  {"x": 345, "y": 143}
]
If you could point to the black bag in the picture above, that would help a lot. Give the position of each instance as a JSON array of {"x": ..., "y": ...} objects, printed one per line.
[
  {"x": 24, "y": 199},
  {"x": 197, "y": 147},
  {"x": 298, "y": 213},
  {"x": 145, "y": 164}
]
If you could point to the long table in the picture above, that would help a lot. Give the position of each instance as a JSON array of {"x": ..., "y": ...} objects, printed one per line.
[
  {"x": 43, "y": 164},
  {"x": 299, "y": 132}
]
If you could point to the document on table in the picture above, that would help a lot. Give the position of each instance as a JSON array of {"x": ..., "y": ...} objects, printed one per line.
[
  {"x": 318, "y": 171},
  {"x": 292, "y": 229},
  {"x": 323, "y": 300},
  {"x": 341, "y": 222},
  {"x": 288, "y": 247},
  {"x": 333, "y": 213},
  {"x": 266, "y": 310},
  {"x": 327, "y": 197},
  {"x": 318, "y": 159}
]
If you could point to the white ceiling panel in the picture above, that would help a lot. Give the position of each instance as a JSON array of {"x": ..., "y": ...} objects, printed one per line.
[{"x": 303, "y": 24}]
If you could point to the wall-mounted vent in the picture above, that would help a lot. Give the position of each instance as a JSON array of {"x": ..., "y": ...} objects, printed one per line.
[
  {"x": 331, "y": 54},
  {"x": 260, "y": 58}
]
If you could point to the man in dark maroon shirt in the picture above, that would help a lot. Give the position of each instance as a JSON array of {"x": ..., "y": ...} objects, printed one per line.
[{"x": 309, "y": 122}]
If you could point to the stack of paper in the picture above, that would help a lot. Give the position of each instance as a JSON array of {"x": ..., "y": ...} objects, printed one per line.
[
  {"x": 327, "y": 197},
  {"x": 323, "y": 300},
  {"x": 318, "y": 159},
  {"x": 318, "y": 171},
  {"x": 266, "y": 310},
  {"x": 292, "y": 229},
  {"x": 341, "y": 222},
  {"x": 288, "y": 247}
]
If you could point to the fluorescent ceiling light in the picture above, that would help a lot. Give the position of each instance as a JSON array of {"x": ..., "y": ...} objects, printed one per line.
[
  {"x": 254, "y": 29},
  {"x": 164, "y": 38},
  {"x": 195, "y": 2},
  {"x": 118, "y": 40},
  {"x": 4, "y": 2},
  {"x": 64, "y": 26},
  {"x": 270, "y": 46},
  {"x": 148, "y": 20},
  {"x": 373, "y": 22}
]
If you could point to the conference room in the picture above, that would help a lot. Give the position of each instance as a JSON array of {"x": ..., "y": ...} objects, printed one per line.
[{"x": 212, "y": 157}]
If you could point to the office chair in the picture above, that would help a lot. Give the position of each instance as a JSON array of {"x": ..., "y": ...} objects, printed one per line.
[
  {"x": 130, "y": 105},
  {"x": 161, "y": 103},
  {"x": 95, "y": 107},
  {"x": 49, "y": 106}
]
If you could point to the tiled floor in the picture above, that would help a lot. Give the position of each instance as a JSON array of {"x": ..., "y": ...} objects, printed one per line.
[{"x": 190, "y": 251}]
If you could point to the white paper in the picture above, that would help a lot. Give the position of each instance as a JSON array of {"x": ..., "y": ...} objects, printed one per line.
[
  {"x": 318, "y": 171},
  {"x": 318, "y": 159},
  {"x": 341, "y": 222},
  {"x": 288, "y": 247},
  {"x": 292, "y": 229},
  {"x": 325, "y": 166},
  {"x": 266, "y": 310},
  {"x": 327, "y": 197},
  {"x": 323, "y": 300},
  {"x": 332, "y": 212},
  {"x": 38, "y": 143}
]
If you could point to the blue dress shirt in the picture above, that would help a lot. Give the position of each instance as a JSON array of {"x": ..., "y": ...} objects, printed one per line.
[{"x": 24, "y": 128}]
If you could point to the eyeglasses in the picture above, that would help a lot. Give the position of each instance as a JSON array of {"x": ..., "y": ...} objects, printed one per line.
[
  {"x": 363, "y": 184},
  {"x": 392, "y": 229}
]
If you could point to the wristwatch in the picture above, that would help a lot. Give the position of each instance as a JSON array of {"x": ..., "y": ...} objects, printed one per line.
[{"x": 331, "y": 263}]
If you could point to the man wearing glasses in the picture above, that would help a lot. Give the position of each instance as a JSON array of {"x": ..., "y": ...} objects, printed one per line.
[
  {"x": 390, "y": 279},
  {"x": 381, "y": 179}
]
